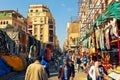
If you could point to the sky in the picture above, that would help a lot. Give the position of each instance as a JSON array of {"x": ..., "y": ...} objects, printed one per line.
[{"x": 61, "y": 10}]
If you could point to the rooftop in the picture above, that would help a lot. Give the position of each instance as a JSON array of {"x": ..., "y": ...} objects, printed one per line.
[
  {"x": 11, "y": 11},
  {"x": 38, "y": 6}
]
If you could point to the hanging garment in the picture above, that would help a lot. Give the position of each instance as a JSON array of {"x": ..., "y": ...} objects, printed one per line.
[
  {"x": 89, "y": 42},
  {"x": 31, "y": 52},
  {"x": 97, "y": 33},
  {"x": 114, "y": 28},
  {"x": 107, "y": 38},
  {"x": 102, "y": 45}
]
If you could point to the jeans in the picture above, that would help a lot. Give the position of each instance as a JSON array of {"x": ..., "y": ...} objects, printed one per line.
[{"x": 78, "y": 67}]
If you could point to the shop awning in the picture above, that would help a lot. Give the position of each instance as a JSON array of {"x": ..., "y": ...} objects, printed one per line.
[{"x": 113, "y": 11}]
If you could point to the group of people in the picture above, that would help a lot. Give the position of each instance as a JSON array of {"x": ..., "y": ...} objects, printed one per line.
[
  {"x": 65, "y": 65},
  {"x": 96, "y": 70}
]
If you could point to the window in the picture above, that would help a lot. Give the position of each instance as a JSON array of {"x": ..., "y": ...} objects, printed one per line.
[
  {"x": 44, "y": 10},
  {"x": 51, "y": 32},
  {"x": 37, "y": 14},
  {"x": 31, "y": 14},
  {"x": 50, "y": 26},
  {"x": 41, "y": 26},
  {"x": 1, "y": 22},
  {"x": 31, "y": 10},
  {"x": 41, "y": 19},
  {"x": 35, "y": 19},
  {"x": 50, "y": 39},
  {"x": 50, "y": 21},
  {"x": 36, "y": 10},
  {"x": 6, "y": 22}
]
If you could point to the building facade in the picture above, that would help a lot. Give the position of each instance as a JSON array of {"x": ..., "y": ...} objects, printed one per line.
[
  {"x": 12, "y": 18},
  {"x": 41, "y": 24},
  {"x": 73, "y": 35}
]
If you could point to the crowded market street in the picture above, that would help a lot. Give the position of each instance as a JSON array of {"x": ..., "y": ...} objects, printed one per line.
[{"x": 59, "y": 39}]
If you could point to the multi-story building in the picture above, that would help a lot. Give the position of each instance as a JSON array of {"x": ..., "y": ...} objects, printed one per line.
[
  {"x": 12, "y": 18},
  {"x": 41, "y": 24},
  {"x": 73, "y": 34}
]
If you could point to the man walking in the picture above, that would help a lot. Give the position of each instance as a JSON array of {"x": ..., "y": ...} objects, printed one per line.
[
  {"x": 64, "y": 71},
  {"x": 72, "y": 69},
  {"x": 36, "y": 71}
]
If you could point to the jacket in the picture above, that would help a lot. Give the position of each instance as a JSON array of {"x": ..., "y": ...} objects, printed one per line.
[
  {"x": 36, "y": 71},
  {"x": 61, "y": 72}
]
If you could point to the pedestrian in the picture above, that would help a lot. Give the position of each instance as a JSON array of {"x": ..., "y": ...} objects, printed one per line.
[
  {"x": 85, "y": 60},
  {"x": 73, "y": 56},
  {"x": 45, "y": 64},
  {"x": 72, "y": 69},
  {"x": 94, "y": 72},
  {"x": 36, "y": 71},
  {"x": 78, "y": 61},
  {"x": 102, "y": 71},
  {"x": 64, "y": 71}
]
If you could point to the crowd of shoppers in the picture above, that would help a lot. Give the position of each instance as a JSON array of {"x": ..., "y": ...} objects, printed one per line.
[{"x": 66, "y": 64}]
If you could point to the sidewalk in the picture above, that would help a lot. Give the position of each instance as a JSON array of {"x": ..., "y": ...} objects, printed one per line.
[{"x": 12, "y": 75}]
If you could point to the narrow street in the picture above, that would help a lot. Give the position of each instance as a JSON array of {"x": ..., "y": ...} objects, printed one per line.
[
  {"x": 78, "y": 76},
  {"x": 53, "y": 75}
]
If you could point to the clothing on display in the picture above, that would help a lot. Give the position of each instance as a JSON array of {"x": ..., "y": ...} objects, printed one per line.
[
  {"x": 102, "y": 42},
  {"x": 97, "y": 32}
]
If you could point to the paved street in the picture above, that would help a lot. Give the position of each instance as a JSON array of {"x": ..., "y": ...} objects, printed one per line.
[
  {"x": 78, "y": 76},
  {"x": 20, "y": 76}
]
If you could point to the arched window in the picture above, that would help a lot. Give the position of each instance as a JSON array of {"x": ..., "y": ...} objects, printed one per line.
[
  {"x": 1, "y": 22},
  {"x": 4, "y": 22}
]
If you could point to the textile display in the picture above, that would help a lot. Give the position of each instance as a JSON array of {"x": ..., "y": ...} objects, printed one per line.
[
  {"x": 114, "y": 28},
  {"x": 3, "y": 45},
  {"x": 102, "y": 42},
  {"x": 14, "y": 62},
  {"x": 97, "y": 32},
  {"x": 107, "y": 37},
  {"x": 89, "y": 42},
  {"x": 4, "y": 68}
]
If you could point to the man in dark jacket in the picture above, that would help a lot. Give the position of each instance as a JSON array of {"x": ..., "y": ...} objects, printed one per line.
[
  {"x": 72, "y": 69},
  {"x": 64, "y": 71}
]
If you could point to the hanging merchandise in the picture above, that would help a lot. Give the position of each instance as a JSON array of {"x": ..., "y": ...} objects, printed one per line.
[
  {"x": 97, "y": 32},
  {"x": 107, "y": 37},
  {"x": 3, "y": 43},
  {"x": 89, "y": 42},
  {"x": 4, "y": 68},
  {"x": 102, "y": 42},
  {"x": 114, "y": 28},
  {"x": 14, "y": 62}
]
